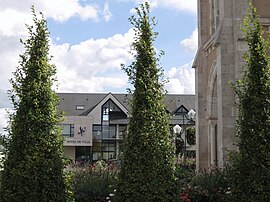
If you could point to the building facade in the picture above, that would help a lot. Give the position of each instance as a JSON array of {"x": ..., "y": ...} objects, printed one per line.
[
  {"x": 218, "y": 64},
  {"x": 95, "y": 123}
]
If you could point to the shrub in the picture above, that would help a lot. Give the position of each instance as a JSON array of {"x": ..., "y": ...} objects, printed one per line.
[
  {"x": 93, "y": 182},
  {"x": 33, "y": 162},
  {"x": 184, "y": 173},
  {"x": 207, "y": 186},
  {"x": 147, "y": 164},
  {"x": 251, "y": 167}
]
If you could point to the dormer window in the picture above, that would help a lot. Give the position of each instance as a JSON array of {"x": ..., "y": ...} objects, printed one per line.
[
  {"x": 79, "y": 107},
  {"x": 182, "y": 110},
  {"x": 183, "y": 116}
]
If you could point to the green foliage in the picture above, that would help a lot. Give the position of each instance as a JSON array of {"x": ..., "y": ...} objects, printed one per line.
[
  {"x": 93, "y": 182},
  {"x": 70, "y": 189},
  {"x": 33, "y": 168},
  {"x": 207, "y": 186},
  {"x": 184, "y": 173},
  {"x": 147, "y": 165},
  {"x": 179, "y": 145},
  {"x": 251, "y": 165},
  {"x": 191, "y": 137}
]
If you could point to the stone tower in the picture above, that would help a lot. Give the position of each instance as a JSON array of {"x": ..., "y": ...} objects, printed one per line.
[{"x": 219, "y": 63}]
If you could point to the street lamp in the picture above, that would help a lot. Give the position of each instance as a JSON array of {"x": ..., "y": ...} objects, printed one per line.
[
  {"x": 179, "y": 130},
  {"x": 191, "y": 115}
]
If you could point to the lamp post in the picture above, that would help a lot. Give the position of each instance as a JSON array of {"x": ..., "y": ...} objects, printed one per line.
[
  {"x": 179, "y": 130},
  {"x": 191, "y": 115}
]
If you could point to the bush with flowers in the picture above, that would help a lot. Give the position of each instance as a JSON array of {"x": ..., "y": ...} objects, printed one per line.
[
  {"x": 184, "y": 172},
  {"x": 207, "y": 186},
  {"x": 91, "y": 182}
]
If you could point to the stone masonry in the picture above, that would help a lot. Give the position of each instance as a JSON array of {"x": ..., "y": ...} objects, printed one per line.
[{"x": 218, "y": 64}]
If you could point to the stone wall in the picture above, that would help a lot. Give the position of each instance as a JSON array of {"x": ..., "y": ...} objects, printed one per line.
[{"x": 218, "y": 64}]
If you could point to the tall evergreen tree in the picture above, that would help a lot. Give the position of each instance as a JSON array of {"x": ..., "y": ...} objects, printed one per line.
[
  {"x": 33, "y": 168},
  {"x": 147, "y": 165},
  {"x": 252, "y": 166}
]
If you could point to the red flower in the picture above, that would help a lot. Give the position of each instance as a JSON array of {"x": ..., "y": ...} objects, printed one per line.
[{"x": 184, "y": 197}]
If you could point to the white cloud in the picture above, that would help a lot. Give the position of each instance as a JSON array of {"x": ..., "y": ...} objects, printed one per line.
[
  {"x": 59, "y": 10},
  {"x": 80, "y": 65},
  {"x": 191, "y": 43},
  {"x": 181, "y": 80},
  {"x": 133, "y": 11},
  {"x": 3, "y": 119},
  {"x": 85, "y": 59},
  {"x": 9, "y": 54},
  {"x": 15, "y": 25},
  {"x": 153, "y": 4},
  {"x": 15, "y": 14},
  {"x": 106, "y": 12},
  {"x": 179, "y": 5},
  {"x": 71, "y": 82},
  {"x": 85, "y": 13}
]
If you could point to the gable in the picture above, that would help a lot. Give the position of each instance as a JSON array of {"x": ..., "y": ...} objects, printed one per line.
[{"x": 96, "y": 112}]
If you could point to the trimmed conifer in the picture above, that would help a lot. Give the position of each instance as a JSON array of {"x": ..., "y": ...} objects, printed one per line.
[
  {"x": 251, "y": 176},
  {"x": 147, "y": 165},
  {"x": 33, "y": 168}
]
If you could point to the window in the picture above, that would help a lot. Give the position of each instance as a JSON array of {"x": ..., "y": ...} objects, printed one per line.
[
  {"x": 104, "y": 132},
  {"x": 83, "y": 153},
  {"x": 97, "y": 130},
  {"x": 108, "y": 150},
  {"x": 122, "y": 131},
  {"x": 105, "y": 113},
  {"x": 108, "y": 146},
  {"x": 110, "y": 111},
  {"x": 108, "y": 131},
  {"x": 68, "y": 130},
  {"x": 96, "y": 156},
  {"x": 79, "y": 107},
  {"x": 104, "y": 141}
]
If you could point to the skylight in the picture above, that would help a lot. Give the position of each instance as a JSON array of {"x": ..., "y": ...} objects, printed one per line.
[{"x": 79, "y": 107}]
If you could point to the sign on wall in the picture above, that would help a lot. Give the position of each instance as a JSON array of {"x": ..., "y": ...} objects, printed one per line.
[{"x": 77, "y": 142}]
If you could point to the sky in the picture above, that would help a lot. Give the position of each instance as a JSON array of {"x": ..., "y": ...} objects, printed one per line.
[{"x": 90, "y": 39}]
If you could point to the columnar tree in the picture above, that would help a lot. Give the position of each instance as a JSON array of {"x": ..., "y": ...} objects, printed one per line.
[
  {"x": 252, "y": 167},
  {"x": 147, "y": 165},
  {"x": 33, "y": 168}
]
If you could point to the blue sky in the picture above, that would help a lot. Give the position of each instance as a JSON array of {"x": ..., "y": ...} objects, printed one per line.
[{"x": 91, "y": 38}]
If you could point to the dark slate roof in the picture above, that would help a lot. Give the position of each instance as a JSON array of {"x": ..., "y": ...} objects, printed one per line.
[
  {"x": 69, "y": 101},
  {"x": 174, "y": 101}
]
